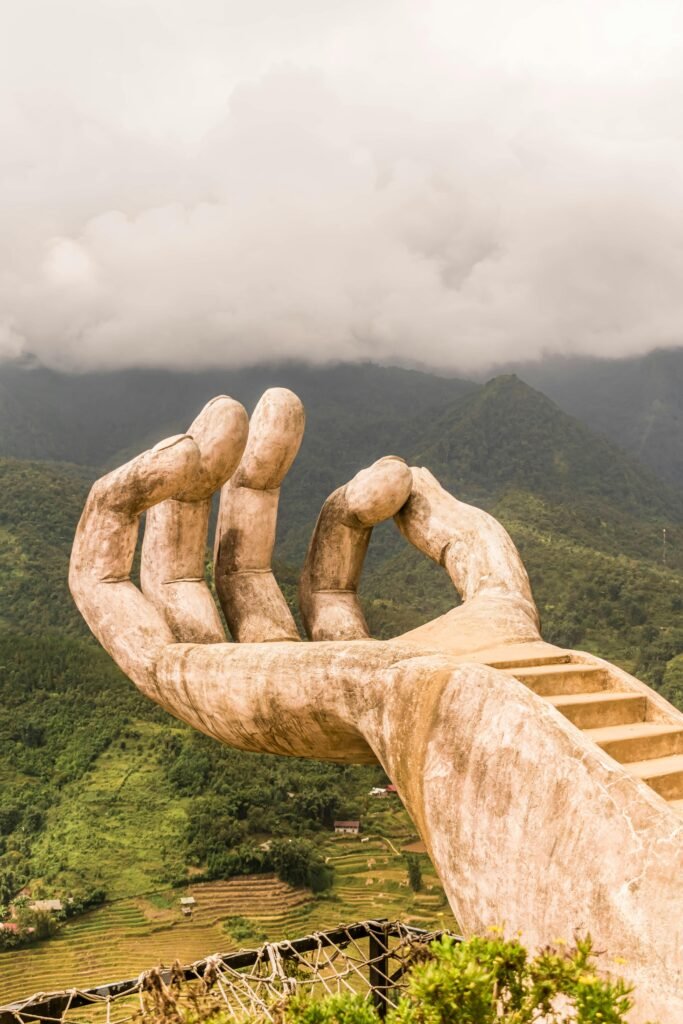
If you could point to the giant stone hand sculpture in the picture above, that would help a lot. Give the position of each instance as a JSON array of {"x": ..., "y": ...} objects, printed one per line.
[{"x": 528, "y": 822}]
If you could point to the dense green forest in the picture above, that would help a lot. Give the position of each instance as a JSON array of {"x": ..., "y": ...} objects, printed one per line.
[{"x": 102, "y": 791}]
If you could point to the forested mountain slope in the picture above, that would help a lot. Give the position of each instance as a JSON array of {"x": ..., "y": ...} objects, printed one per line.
[
  {"x": 92, "y": 418},
  {"x": 509, "y": 437},
  {"x": 638, "y": 402},
  {"x": 96, "y": 419},
  {"x": 79, "y": 748}
]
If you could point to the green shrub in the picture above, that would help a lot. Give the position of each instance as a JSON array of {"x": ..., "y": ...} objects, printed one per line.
[
  {"x": 241, "y": 929},
  {"x": 320, "y": 876},
  {"x": 414, "y": 871},
  {"x": 339, "y": 1009},
  {"x": 79, "y": 902},
  {"x": 298, "y": 862},
  {"x": 32, "y": 926},
  {"x": 487, "y": 981}
]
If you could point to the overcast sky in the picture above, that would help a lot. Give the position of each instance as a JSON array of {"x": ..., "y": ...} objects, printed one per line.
[{"x": 448, "y": 183}]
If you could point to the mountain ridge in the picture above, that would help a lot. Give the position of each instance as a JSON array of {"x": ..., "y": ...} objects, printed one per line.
[
  {"x": 521, "y": 437},
  {"x": 98, "y": 418},
  {"x": 637, "y": 401}
]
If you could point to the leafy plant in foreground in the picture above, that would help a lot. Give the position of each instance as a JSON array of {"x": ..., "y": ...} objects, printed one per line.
[{"x": 487, "y": 981}]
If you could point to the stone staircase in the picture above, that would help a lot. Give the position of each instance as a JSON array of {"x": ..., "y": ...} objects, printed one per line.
[{"x": 630, "y": 722}]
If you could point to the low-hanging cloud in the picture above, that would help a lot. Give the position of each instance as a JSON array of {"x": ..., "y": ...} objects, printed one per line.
[{"x": 188, "y": 185}]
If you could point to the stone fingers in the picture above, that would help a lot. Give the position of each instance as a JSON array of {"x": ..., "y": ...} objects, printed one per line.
[
  {"x": 252, "y": 601},
  {"x": 127, "y": 625},
  {"x": 483, "y": 564},
  {"x": 329, "y": 582},
  {"x": 174, "y": 546},
  {"x": 476, "y": 551}
]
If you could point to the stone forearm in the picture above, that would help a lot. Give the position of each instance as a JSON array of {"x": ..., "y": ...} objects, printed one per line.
[
  {"x": 303, "y": 700},
  {"x": 494, "y": 778},
  {"x": 530, "y": 824}
]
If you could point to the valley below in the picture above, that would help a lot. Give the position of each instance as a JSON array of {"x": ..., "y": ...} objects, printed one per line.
[{"x": 128, "y": 935}]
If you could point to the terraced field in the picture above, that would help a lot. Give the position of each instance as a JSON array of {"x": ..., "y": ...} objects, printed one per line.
[{"x": 123, "y": 938}]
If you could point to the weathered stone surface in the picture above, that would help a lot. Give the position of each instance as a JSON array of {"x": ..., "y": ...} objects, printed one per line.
[
  {"x": 252, "y": 602},
  {"x": 529, "y": 822},
  {"x": 328, "y": 590}
]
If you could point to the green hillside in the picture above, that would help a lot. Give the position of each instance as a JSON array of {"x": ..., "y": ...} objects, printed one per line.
[
  {"x": 126, "y": 936},
  {"x": 586, "y": 517},
  {"x": 636, "y": 402},
  {"x": 509, "y": 439},
  {"x": 508, "y": 434},
  {"x": 41, "y": 504},
  {"x": 100, "y": 790}
]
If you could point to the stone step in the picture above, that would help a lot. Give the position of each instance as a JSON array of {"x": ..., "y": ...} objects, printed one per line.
[
  {"x": 550, "y": 680},
  {"x": 531, "y": 662},
  {"x": 638, "y": 741},
  {"x": 592, "y": 710},
  {"x": 663, "y": 774}
]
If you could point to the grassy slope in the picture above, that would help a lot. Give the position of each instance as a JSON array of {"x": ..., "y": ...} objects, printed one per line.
[
  {"x": 41, "y": 504},
  {"x": 121, "y": 826}
]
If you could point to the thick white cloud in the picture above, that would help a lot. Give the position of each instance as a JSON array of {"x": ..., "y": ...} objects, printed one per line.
[{"x": 435, "y": 182}]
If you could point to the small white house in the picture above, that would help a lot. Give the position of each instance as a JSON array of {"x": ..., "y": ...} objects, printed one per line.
[
  {"x": 52, "y": 906},
  {"x": 383, "y": 791},
  {"x": 348, "y": 828},
  {"x": 187, "y": 905}
]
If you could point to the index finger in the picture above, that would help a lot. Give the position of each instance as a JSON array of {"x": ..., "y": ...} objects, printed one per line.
[{"x": 126, "y": 624}]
